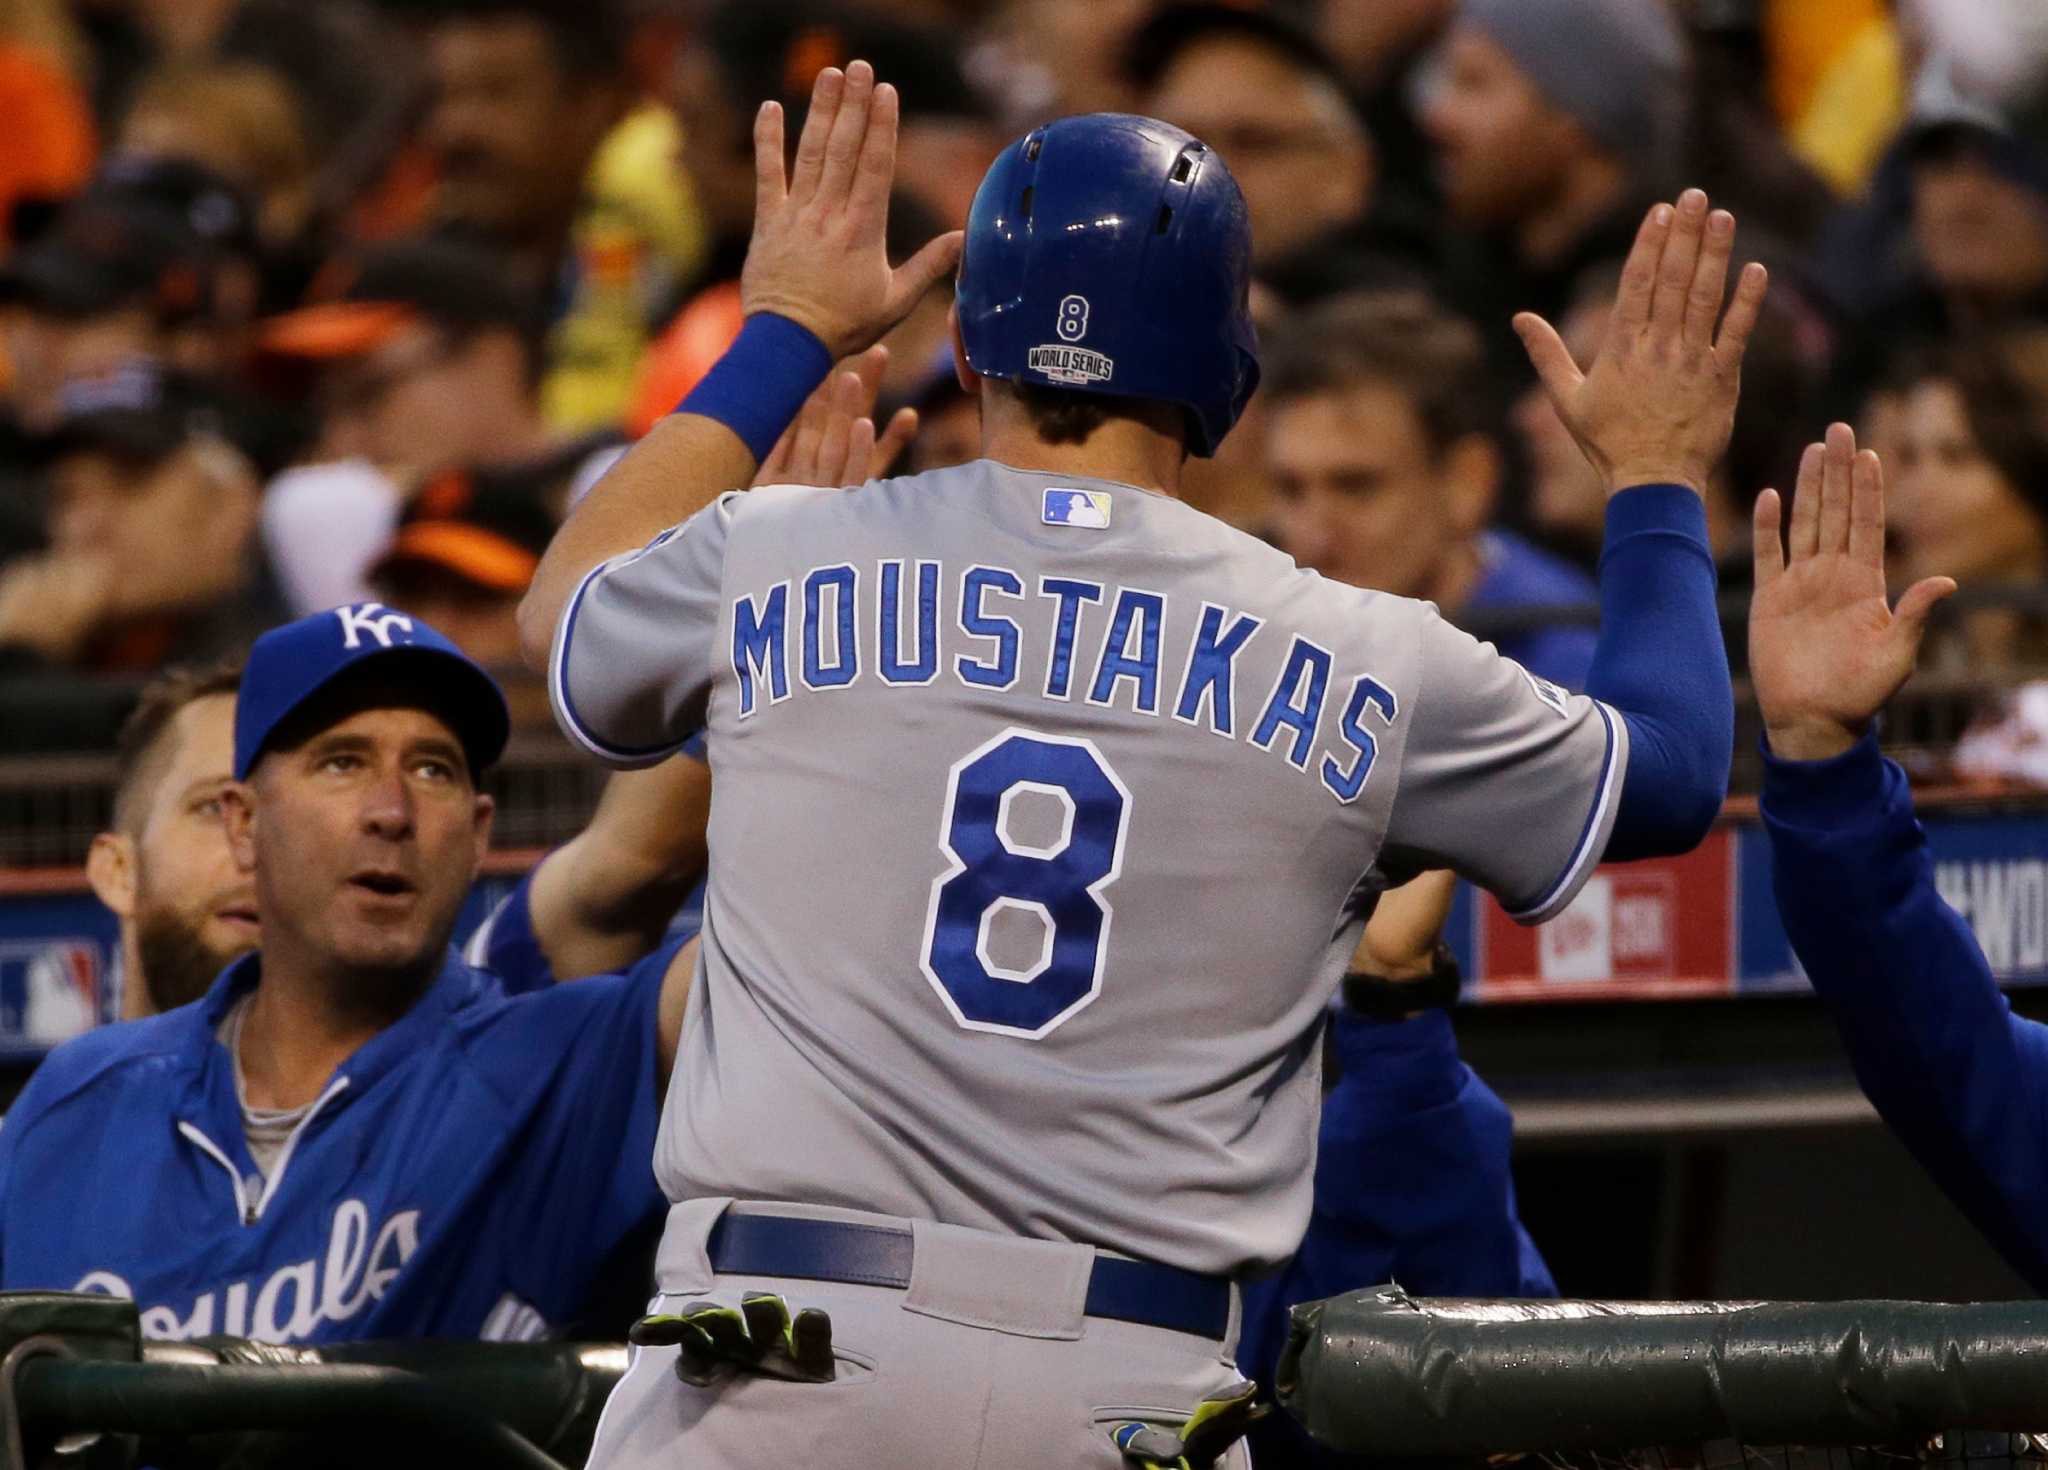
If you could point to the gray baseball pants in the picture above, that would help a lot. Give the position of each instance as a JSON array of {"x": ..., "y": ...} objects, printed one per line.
[{"x": 985, "y": 1362}]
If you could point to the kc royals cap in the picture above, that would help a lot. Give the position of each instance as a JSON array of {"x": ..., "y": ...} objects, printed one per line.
[{"x": 289, "y": 665}]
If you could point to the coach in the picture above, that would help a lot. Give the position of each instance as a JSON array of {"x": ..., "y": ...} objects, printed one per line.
[
  {"x": 352, "y": 1134},
  {"x": 1957, "y": 1076}
]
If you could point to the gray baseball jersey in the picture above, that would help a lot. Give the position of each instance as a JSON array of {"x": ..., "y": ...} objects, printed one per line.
[{"x": 1045, "y": 816}]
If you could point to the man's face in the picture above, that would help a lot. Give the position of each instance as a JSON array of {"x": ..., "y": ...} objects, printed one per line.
[
  {"x": 1358, "y": 492},
  {"x": 1981, "y": 234},
  {"x": 1300, "y": 156},
  {"x": 1501, "y": 148},
  {"x": 424, "y": 400},
  {"x": 510, "y": 132},
  {"x": 194, "y": 910},
  {"x": 364, "y": 840}
]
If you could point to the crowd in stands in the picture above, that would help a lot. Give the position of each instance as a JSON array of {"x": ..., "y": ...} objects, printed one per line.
[{"x": 307, "y": 301}]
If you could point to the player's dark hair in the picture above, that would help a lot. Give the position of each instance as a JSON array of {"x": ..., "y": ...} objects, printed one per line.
[
  {"x": 1067, "y": 416},
  {"x": 1399, "y": 339},
  {"x": 141, "y": 752}
]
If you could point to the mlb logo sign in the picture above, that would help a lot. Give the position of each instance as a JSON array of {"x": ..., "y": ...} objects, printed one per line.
[
  {"x": 1085, "y": 508},
  {"x": 49, "y": 991}
]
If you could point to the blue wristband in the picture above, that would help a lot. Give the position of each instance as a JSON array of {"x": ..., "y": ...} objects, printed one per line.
[{"x": 757, "y": 388}]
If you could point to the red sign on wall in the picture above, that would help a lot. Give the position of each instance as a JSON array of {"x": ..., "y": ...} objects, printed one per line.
[{"x": 1660, "y": 928}]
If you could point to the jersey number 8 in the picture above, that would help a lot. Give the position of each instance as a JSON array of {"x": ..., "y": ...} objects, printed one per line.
[{"x": 1063, "y": 882}]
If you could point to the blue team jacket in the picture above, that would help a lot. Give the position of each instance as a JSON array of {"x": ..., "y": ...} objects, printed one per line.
[
  {"x": 1412, "y": 1185},
  {"x": 1519, "y": 574},
  {"x": 464, "y": 1174},
  {"x": 1957, "y": 1076}
]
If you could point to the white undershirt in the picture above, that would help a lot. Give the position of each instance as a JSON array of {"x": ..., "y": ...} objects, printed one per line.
[{"x": 265, "y": 1128}]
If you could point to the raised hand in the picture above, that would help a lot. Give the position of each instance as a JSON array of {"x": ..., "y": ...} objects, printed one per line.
[
  {"x": 1659, "y": 403},
  {"x": 817, "y": 254},
  {"x": 833, "y": 441},
  {"x": 1825, "y": 649}
]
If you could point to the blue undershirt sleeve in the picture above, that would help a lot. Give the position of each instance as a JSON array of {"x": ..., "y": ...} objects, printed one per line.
[
  {"x": 1661, "y": 665},
  {"x": 1957, "y": 1076}
]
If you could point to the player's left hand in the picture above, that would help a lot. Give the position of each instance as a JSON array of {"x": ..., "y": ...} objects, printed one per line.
[
  {"x": 1825, "y": 648},
  {"x": 833, "y": 441},
  {"x": 817, "y": 255},
  {"x": 1659, "y": 403}
]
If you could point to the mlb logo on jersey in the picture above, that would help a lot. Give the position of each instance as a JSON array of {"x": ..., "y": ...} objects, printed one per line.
[{"x": 1088, "y": 508}]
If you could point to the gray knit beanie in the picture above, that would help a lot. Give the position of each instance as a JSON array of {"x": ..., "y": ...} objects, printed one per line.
[{"x": 1617, "y": 66}]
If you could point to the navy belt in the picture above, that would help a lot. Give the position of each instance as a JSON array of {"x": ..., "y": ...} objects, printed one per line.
[{"x": 1144, "y": 1292}]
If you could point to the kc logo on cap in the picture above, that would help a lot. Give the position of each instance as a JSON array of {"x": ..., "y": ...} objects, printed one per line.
[
  {"x": 289, "y": 665},
  {"x": 357, "y": 621}
]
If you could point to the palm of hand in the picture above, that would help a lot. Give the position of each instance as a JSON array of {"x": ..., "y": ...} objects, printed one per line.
[
  {"x": 1824, "y": 644},
  {"x": 1825, "y": 651}
]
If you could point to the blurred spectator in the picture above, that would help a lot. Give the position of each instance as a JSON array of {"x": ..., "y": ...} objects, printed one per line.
[
  {"x": 1970, "y": 491},
  {"x": 543, "y": 155},
  {"x": 1783, "y": 372},
  {"x": 49, "y": 128},
  {"x": 1980, "y": 211},
  {"x": 1734, "y": 147},
  {"x": 1382, "y": 47},
  {"x": 121, "y": 276},
  {"x": 427, "y": 358},
  {"x": 1954, "y": 234},
  {"x": 464, "y": 553},
  {"x": 1554, "y": 123},
  {"x": 353, "y": 80},
  {"x": 236, "y": 119},
  {"x": 1386, "y": 470},
  {"x": 164, "y": 868},
  {"x": 150, "y": 523},
  {"x": 1273, "y": 105},
  {"x": 1055, "y": 57}
]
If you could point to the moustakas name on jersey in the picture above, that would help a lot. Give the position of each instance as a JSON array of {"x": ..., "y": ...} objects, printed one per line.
[{"x": 1110, "y": 802}]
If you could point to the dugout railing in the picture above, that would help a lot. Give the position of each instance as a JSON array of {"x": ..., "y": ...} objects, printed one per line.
[
  {"x": 80, "y": 1389},
  {"x": 1668, "y": 1384},
  {"x": 1861, "y": 1385}
]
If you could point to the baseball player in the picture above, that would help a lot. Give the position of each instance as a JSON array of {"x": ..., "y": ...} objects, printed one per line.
[
  {"x": 1047, "y": 811},
  {"x": 351, "y": 1134}
]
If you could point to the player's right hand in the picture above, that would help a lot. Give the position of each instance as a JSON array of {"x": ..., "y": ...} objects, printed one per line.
[
  {"x": 1825, "y": 648},
  {"x": 1659, "y": 403},
  {"x": 818, "y": 256}
]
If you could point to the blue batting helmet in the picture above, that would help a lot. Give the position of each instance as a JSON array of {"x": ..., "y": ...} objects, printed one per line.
[{"x": 1112, "y": 254}]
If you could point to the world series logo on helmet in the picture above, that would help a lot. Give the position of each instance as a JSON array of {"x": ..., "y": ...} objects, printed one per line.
[{"x": 1070, "y": 364}]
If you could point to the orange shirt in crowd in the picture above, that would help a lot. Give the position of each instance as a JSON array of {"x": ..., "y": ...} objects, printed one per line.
[{"x": 50, "y": 141}]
